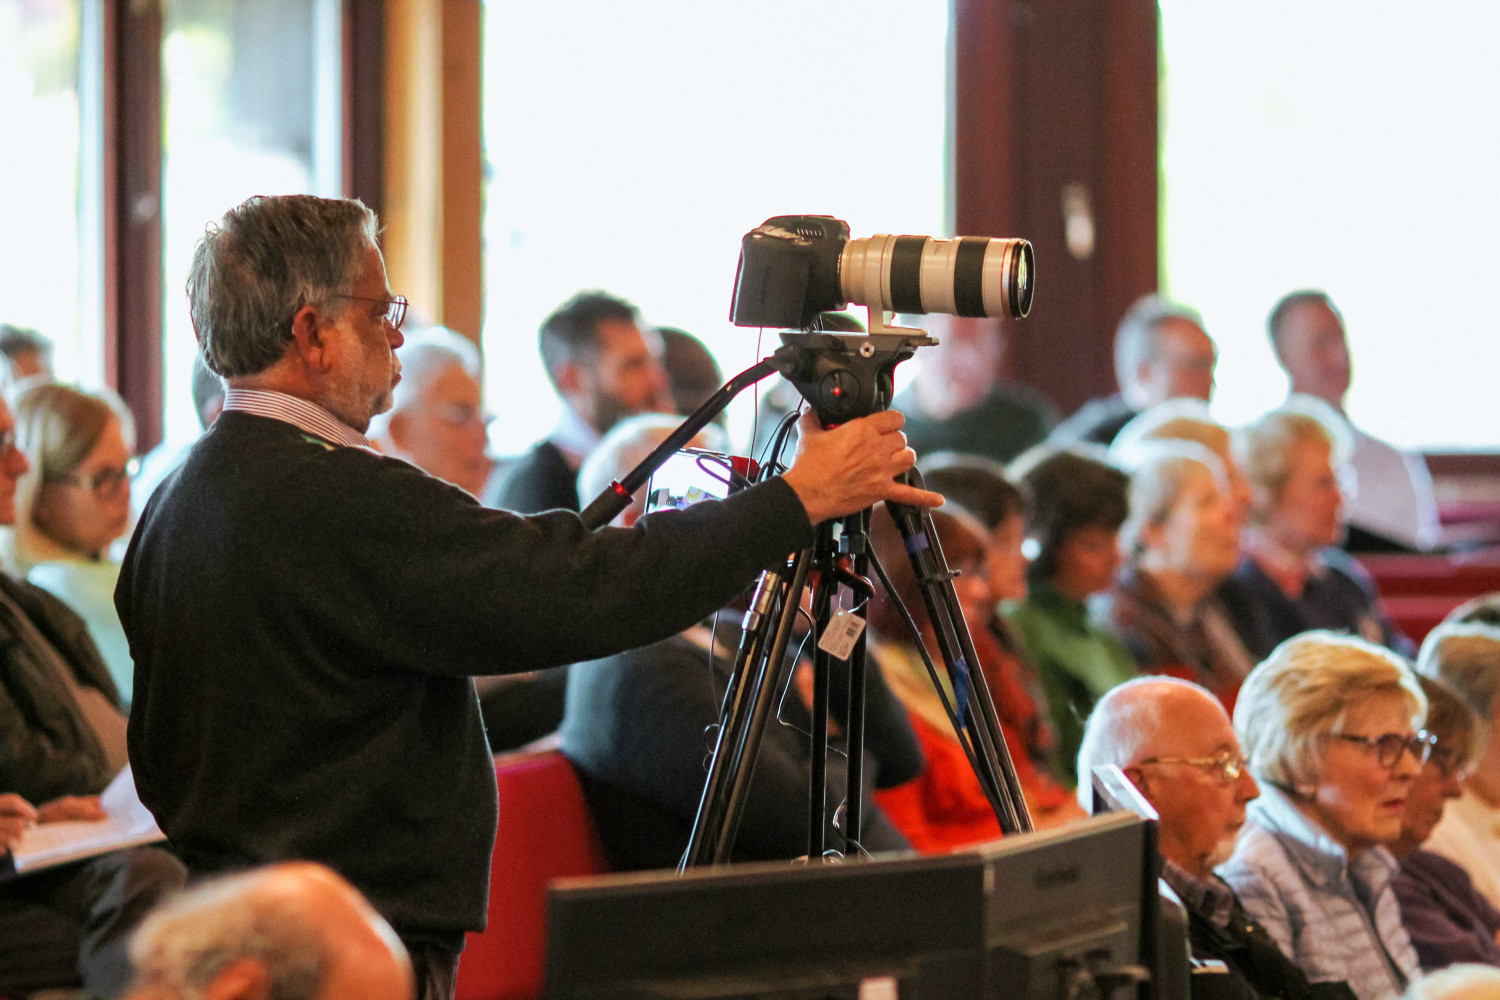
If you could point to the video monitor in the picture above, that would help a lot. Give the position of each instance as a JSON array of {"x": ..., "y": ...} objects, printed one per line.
[
  {"x": 902, "y": 928},
  {"x": 1069, "y": 910}
]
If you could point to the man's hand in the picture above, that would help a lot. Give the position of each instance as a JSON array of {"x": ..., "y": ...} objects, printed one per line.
[
  {"x": 853, "y": 466},
  {"x": 71, "y": 807},
  {"x": 16, "y": 816}
]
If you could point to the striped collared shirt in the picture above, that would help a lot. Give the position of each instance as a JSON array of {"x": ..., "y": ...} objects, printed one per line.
[{"x": 300, "y": 413}]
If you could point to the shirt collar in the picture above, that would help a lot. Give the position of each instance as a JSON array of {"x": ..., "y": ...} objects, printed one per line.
[
  {"x": 574, "y": 436},
  {"x": 1208, "y": 898},
  {"x": 1321, "y": 858},
  {"x": 1289, "y": 571},
  {"x": 301, "y": 413}
]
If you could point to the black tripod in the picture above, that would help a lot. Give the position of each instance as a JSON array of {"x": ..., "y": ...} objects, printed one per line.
[{"x": 843, "y": 378}]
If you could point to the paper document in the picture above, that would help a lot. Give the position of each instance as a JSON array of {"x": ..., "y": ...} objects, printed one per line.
[{"x": 128, "y": 823}]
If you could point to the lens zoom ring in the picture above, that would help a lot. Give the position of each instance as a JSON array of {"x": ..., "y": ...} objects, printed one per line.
[
  {"x": 906, "y": 274},
  {"x": 968, "y": 276}
]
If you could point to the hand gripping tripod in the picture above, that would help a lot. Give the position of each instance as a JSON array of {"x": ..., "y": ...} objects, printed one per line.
[{"x": 843, "y": 377}]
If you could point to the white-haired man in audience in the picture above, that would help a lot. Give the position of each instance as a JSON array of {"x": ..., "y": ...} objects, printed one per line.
[
  {"x": 436, "y": 420},
  {"x": 288, "y": 932},
  {"x": 1175, "y": 743},
  {"x": 1161, "y": 353}
]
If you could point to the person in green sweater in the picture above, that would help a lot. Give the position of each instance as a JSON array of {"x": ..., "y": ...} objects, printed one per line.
[{"x": 1078, "y": 505}]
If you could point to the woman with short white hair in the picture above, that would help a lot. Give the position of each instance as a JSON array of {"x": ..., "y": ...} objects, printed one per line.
[
  {"x": 1331, "y": 726},
  {"x": 1294, "y": 577},
  {"x": 1181, "y": 540}
]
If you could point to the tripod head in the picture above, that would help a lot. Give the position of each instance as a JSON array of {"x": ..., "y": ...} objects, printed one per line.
[{"x": 845, "y": 376}]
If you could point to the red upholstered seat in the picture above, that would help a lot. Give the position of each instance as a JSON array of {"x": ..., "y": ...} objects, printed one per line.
[{"x": 545, "y": 832}]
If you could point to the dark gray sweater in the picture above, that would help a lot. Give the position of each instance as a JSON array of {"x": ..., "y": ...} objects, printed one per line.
[{"x": 305, "y": 619}]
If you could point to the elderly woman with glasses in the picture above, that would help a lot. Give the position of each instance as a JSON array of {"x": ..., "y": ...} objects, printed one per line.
[
  {"x": 1447, "y": 918},
  {"x": 1331, "y": 726},
  {"x": 72, "y": 505}
]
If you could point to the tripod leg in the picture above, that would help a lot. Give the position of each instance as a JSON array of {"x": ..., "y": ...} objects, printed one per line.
[
  {"x": 761, "y": 700},
  {"x": 734, "y": 715}
]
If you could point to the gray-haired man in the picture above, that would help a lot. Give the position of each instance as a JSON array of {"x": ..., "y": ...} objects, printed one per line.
[{"x": 305, "y": 614}]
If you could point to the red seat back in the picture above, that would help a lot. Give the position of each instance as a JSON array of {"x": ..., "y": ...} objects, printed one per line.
[{"x": 545, "y": 832}]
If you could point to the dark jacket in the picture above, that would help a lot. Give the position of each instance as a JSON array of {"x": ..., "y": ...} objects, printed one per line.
[
  {"x": 46, "y": 746},
  {"x": 305, "y": 619}
]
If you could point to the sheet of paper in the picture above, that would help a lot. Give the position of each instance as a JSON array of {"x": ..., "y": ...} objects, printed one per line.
[{"x": 128, "y": 824}]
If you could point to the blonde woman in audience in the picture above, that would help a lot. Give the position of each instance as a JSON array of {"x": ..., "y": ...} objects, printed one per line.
[
  {"x": 1331, "y": 726},
  {"x": 72, "y": 505},
  {"x": 1182, "y": 539},
  {"x": 1467, "y": 659},
  {"x": 1294, "y": 577}
]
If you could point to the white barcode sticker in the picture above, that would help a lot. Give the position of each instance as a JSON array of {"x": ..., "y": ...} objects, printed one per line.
[{"x": 842, "y": 633}]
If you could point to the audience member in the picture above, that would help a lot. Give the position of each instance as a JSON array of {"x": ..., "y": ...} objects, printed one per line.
[
  {"x": 1293, "y": 576},
  {"x": 1446, "y": 917},
  {"x": 436, "y": 420},
  {"x": 946, "y": 807},
  {"x": 1174, "y": 742},
  {"x": 68, "y": 926},
  {"x": 27, "y": 355},
  {"x": 63, "y": 740},
  {"x": 958, "y": 401},
  {"x": 1161, "y": 353},
  {"x": 692, "y": 373},
  {"x": 1390, "y": 497},
  {"x": 1328, "y": 722},
  {"x": 1078, "y": 505},
  {"x": 604, "y": 367},
  {"x": 981, "y": 487},
  {"x": 1466, "y": 657},
  {"x": 519, "y": 709},
  {"x": 1182, "y": 540},
  {"x": 287, "y": 557},
  {"x": 639, "y": 727},
  {"x": 287, "y": 932},
  {"x": 72, "y": 505},
  {"x": 159, "y": 462}
]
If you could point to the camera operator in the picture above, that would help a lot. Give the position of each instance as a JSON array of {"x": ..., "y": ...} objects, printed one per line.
[{"x": 305, "y": 614}]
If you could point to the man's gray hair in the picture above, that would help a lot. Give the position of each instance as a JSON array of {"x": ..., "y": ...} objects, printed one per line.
[
  {"x": 1163, "y": 471},
  {"x": 1123, "y": 725},
  {"x": 266, "y": 259},
  {"x": 1138, "y": 337},
  {"x": 186, "y": 943}
]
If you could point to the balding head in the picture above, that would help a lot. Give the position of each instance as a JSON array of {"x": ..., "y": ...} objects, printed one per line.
[
  {"x": 288, "y": 932},
  {"x": 436, "y": 421},
  {"x": 1164, "y": 733}
]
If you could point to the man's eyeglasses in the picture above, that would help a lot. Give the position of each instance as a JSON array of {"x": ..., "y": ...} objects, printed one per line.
[
  {"x": 395, "y": 308},
  {"x": 1448, "y": 760},
  {"x": 105, "y": 484},
  {"x": 1388, "y": 747},
  {"x": 1227, "y": 766}
]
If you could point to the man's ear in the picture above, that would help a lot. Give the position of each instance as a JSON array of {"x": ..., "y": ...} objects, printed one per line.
[
  {"x": 1137, "y": 778},
  {"x": 310, "y": 340},
  {"x": 242, "y": 979}
]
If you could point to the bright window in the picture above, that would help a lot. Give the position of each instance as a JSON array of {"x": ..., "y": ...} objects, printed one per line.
[
  {"x": 1350, "y": 148},
  {"x": 50, "y": 255},
  {"x": 250, "y": 102},
  {"x": 631, "y": 145}
]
